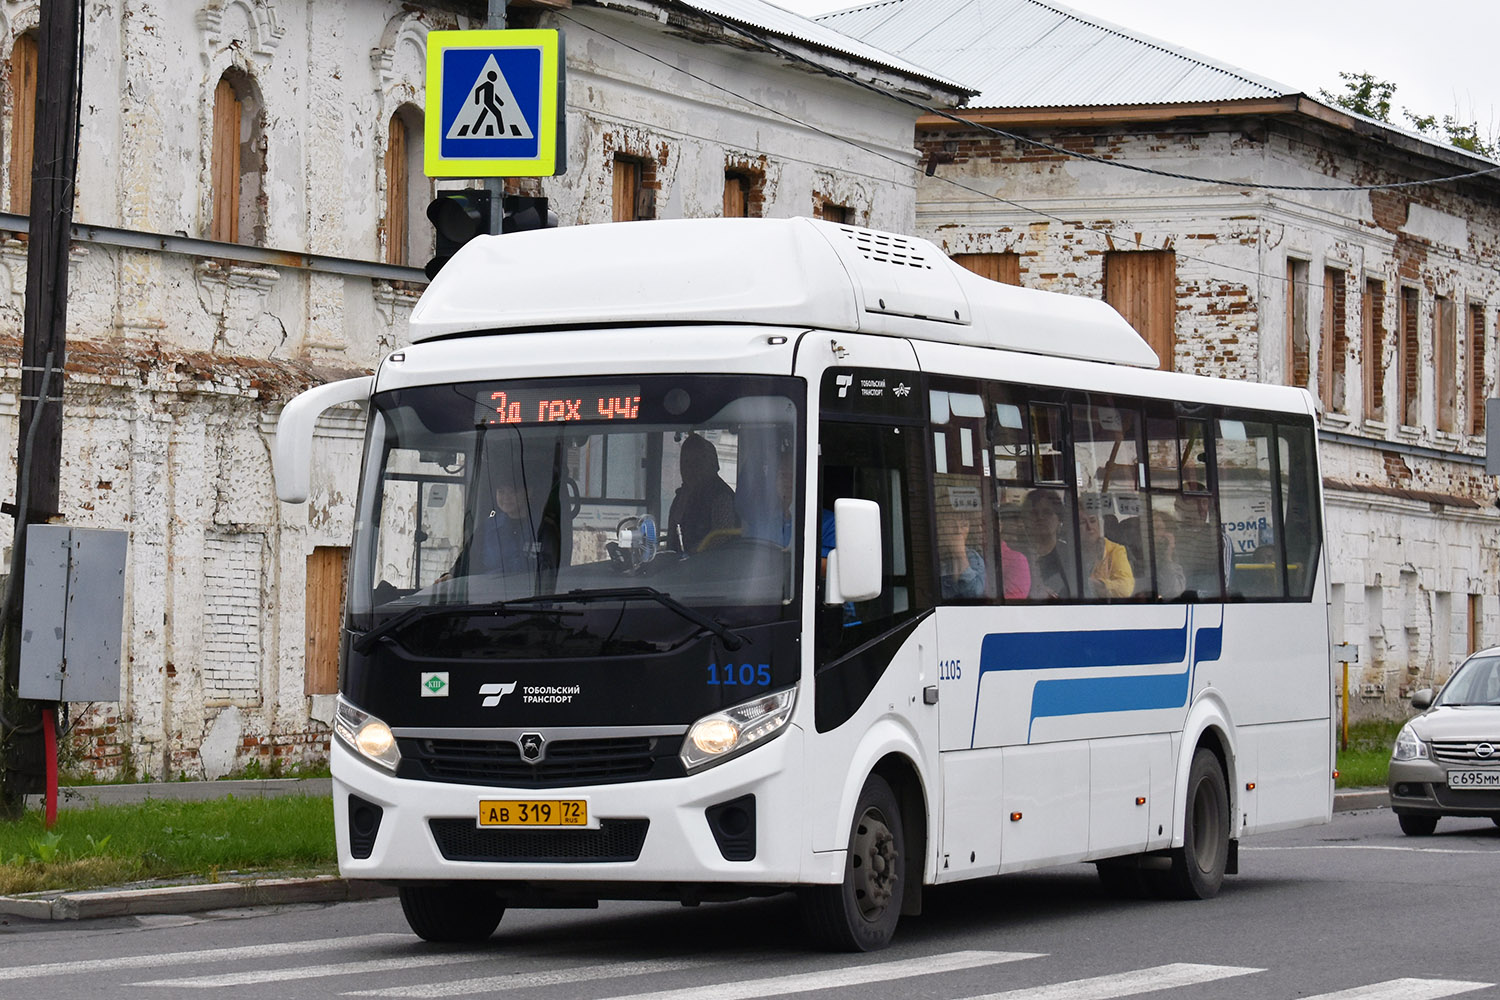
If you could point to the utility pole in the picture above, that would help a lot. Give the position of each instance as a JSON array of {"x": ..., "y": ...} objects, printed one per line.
[
  {"x": 495, "y": 21},
  {"x": 43, "y": 352}
]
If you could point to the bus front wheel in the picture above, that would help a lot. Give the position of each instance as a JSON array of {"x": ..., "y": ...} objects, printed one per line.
[
  {"x": 1198, "y": 865},
  {"x": 451, "y": 913},
  {"x": 860, "y": 913}
]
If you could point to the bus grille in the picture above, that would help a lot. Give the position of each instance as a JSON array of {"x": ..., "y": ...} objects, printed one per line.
[
  {"x": 567, "y": 762},
  {"x": 615, "y": 840}
]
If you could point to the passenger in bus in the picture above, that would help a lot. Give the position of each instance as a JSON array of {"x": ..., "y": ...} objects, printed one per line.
[
  {"x": 961, "y": 572},
  {"x": 704, "y": 502},
  {"x": 1171, "y": 581},
  {"x": 1109, "y": 567},
  {"x": 1051, "y": 568},
  {"x": 1201, "y": 547},
  {"x": 502, "y": 539}
]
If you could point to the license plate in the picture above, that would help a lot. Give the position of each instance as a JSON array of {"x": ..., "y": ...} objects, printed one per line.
[
  {"x": 1474, "y": 779},
  {"x": 533, "y": 812}
]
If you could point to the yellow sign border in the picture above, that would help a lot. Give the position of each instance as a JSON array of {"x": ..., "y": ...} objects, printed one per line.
[{"x": 545, "y": 162}]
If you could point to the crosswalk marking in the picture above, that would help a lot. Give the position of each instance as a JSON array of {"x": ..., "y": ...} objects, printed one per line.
[
  {"x": 1405, "y": 989},
  {"x": 855, "y": 975},
  {"x": 1125, "y": 984},
  {"x": 533, "y": 980},
  {"x": 153, "y": 961},
  {"x": 317, "y": 971}
]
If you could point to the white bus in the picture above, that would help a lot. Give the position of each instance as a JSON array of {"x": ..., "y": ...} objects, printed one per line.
[{"x": 710, "y": 559}]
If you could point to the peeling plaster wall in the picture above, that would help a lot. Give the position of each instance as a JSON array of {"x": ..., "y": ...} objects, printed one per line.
[
  {"x": 179, "y": 364},
  {"x": 1410, "y": 535}
]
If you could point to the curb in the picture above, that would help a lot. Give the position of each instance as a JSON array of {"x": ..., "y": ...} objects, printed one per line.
[
  {"x": 89, "y": 904},
  {"x": 1361, "y": 798}
]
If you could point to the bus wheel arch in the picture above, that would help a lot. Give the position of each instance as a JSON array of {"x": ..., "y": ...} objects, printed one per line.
[
  {"x": 911, "y": 796},
  {"x": 860, "y": 912},
  {"x": 1199, "y": 865}
]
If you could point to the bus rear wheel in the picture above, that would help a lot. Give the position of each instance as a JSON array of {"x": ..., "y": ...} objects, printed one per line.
[
  {"x": 451, "y": 913},
  {"x": 860, "y": 913},
  {"x": 1198, "y": 865}
]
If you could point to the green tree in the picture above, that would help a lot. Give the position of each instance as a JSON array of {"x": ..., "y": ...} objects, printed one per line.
[{"x": 1365, "y": 95}]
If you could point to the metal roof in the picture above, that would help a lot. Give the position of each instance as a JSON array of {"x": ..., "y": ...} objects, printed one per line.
[
  {"x": 761, "y": 16},
  {"x": 1036, "y": 53}
]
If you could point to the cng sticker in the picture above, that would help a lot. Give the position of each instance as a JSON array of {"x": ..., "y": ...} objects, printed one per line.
[
  {"x": 493, "y": 104},
  {"x": 435, "y": 685}
]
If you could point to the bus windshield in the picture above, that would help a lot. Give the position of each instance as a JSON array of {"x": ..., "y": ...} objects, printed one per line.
[{"x": 645, "y": 508}]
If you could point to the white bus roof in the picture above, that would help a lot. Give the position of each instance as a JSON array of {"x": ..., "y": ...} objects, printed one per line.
[{"x": 778, "y": 272}]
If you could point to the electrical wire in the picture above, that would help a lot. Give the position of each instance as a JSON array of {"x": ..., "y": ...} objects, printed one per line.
[
  {"x": 1105, "y": 161},
  {"x": 1105, "y": 236}
]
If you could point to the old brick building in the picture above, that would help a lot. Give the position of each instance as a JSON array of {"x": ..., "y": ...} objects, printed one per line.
[
  {"x": 250, "y": 203},
  {"x": 1250, "y": 232}
]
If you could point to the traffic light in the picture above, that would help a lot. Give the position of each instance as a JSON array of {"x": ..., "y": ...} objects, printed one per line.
[
  {"x": 458, "y": 217},
  {"x": 523, "y": 213}
]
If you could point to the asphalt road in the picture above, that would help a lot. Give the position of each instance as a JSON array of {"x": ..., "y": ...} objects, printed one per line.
[{"x": 1353, "y": 911}]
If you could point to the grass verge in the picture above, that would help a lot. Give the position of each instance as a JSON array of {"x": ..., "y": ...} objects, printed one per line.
[
  {"x": 164, "y": 839},
  {"x": 1366, "y": 763}
]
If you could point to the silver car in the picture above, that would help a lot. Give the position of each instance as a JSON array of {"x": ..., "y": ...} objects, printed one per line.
[{"x": 1446, "y": 761}]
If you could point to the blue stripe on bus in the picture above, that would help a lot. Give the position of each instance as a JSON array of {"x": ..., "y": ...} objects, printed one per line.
[{"x": 1101, "y": 648}]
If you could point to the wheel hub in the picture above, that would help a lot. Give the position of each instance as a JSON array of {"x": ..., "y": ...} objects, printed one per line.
[{"x": 874, "y": 864}]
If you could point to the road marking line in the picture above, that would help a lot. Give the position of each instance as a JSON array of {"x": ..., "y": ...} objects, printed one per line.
[
  {"x": 531, "y": 980},
  {"x": 1368, "y": 847},
  {"x": 856, "y": 975},
  {"x": 1405, "y": 989},
  {"x": 1162, "y": 977},
  {"x": 317, "y": 971},
  {"x": 13, "y": 973}
]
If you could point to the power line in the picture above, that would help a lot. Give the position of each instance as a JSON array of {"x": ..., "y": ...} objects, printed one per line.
[
  {"x": 1106, "y": 236},
  {"x": 1087, "y": 157}
]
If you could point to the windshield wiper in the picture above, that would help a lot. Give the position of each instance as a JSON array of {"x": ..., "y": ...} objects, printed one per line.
[
  {"x": 420, "y": 611},
  {"x": 730, "y": 640},
  {"x": 391, "y": 625}
]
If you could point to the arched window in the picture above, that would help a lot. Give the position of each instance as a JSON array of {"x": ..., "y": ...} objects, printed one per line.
[
  {"x": 407, "y": 189},
  {"x": 236, "y": 162},
  {"x": 23, "y": 71}
]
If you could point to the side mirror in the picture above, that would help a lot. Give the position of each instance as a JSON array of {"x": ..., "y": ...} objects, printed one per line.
[
  {"x": 1422, "y": 699},
  {"x": 291, "y": 454},
  {"x": 854, "y": 565}
]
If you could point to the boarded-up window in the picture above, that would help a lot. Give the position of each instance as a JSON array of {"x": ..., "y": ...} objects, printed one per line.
[
  {"x": 1476, "y": 622},
  {"x": 1445, "y": 362},
  {"x": 736, "y": 195},
  {"x": 1298, "y": 350},
  {"x": 325, "y": 605},
  {"x": 1142, "y": 285},
  {"x": 228, "y": 113},
  {"x": 1408, "y": 358},
  {"x": 1478, "y": 369},
  {"x": 1335, "y": 340},
  {"x": 1373, "y": 354},
  {"x": 1004, "y": 267},
  {"x": 396, "y": 182},
  {"x": 23, "y": 65},
  {"x": 832, "y": 212},
  {"x": 627, "y": 189}
]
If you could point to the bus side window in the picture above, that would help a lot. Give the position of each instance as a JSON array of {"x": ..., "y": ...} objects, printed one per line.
[
  {"x": 884, "y": 464},
  {"x": 1247, "y": 501},
  {"x": 1299, "y": 498},
  {"x": 963, "y": 492}
]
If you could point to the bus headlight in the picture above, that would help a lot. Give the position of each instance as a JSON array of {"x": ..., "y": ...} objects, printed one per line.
[
  {"x": 720, "y": 736},
  {"x": 1408, "y": 747},
  {"x": 366, "y": 735}
]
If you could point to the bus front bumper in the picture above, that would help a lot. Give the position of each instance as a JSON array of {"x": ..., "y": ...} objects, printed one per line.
[{"x": 661, "y": 831}]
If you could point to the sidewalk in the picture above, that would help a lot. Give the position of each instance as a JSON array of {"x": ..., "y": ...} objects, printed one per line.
[{"x": 257, "y": 889}]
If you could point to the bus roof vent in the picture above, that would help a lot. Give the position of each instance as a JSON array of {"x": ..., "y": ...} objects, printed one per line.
[{"x": 887, "y": 248}]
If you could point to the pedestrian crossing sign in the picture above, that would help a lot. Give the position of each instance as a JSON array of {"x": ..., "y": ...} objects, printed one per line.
[{"x": 493, "y": 104}]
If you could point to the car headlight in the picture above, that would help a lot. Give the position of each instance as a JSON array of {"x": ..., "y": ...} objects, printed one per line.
[
  {"x": 720, "y": 736},
  {"x": 366, "y": 735},
  {"x": 1408, "y": 747}
]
